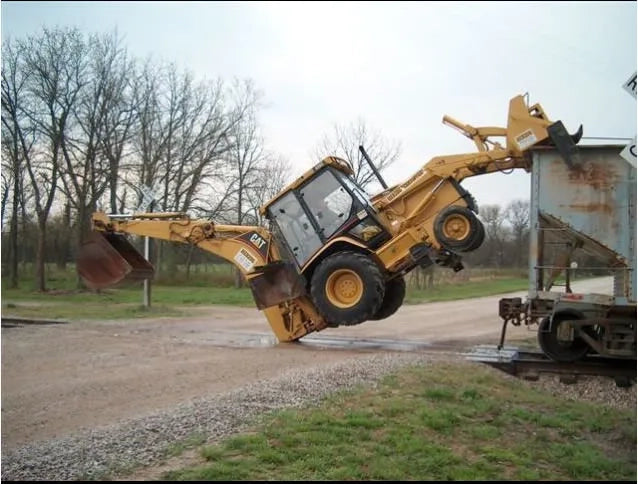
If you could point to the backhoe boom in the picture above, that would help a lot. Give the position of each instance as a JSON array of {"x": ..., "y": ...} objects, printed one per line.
[{"x": 108, "y": 258}]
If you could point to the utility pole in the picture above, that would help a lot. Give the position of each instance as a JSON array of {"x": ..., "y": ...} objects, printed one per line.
[{"x": 148, "y": 200}]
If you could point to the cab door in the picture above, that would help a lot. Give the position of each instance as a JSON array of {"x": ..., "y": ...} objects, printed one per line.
[{"x": 295, "y": 228}]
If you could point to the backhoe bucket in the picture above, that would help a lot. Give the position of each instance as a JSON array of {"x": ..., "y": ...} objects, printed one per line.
[
  {"x": 105, "y": 259},
  {"x": 277, "y": 282},
  {"x": 565, "y": 143}
]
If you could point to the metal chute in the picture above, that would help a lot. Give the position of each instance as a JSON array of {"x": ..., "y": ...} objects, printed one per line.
[{"x": 106, "y": 259}]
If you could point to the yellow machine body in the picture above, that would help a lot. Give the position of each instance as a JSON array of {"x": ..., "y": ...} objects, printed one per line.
[{"x": 426, "y": 219}]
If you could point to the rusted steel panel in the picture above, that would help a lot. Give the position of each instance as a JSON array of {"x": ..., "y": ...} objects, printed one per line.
[{"x": 592, "y": 202}]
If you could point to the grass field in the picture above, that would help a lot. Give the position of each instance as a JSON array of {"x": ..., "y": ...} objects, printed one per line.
[
  {"x": 449, "y": 291},
  {"x": 64, "y": 301},
  {"x": 440, "y": 422}
]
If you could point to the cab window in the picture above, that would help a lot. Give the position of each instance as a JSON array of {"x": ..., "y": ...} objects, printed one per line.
[
  {"x": 329, "y": 202},
  {"x": 295, "y": 227}
]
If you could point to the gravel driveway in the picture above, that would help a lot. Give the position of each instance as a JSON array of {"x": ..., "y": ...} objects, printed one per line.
[{"x": 77, "y": 397}]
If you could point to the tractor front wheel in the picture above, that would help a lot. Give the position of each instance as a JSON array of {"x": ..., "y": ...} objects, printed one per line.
[{"x": 457, "y": 228}]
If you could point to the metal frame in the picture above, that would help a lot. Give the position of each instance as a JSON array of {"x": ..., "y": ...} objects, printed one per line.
[{"x": 592, "y": 207}]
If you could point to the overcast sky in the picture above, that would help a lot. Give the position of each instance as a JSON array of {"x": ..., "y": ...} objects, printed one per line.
[{"x": 399, "y": 66}]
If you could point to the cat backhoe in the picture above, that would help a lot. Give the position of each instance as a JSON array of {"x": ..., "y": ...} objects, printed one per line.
[{"x": 333, "y": 255}]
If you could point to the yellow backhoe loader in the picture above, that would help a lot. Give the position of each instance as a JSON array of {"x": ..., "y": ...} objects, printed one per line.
[{"x": 333, "y": 255}]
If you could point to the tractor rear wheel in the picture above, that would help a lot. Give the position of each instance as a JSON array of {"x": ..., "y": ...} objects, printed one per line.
[
  {"x": 393, "y": 299},
  {"x": 347, "y": 288}
]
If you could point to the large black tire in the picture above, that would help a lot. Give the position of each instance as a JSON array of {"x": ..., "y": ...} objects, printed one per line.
[
  {"x": 479, "y": 237},
  {"x": 393, "y": 299},
  {"x": 457, "y": 228},
  {"x": 347, "y": 288},
  {"x": 554, "y": 348},
  {"x": 472, "y": 203}
]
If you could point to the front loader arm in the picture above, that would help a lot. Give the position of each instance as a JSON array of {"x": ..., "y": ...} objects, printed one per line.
[
  {"x": 414, "y": 200},
  {"x": 466, "y": 165},
  {"x": 526, "y": 128}
]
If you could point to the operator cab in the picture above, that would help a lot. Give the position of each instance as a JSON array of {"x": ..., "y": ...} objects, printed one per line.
[{"x": 322, "y": 205}]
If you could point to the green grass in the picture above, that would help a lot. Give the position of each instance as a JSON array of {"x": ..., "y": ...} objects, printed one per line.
[
  {"x": 95, "y": 310},
  {"x": 170, "y": 300},
  {"x": 119, "y": 303},
  {"x": 440, "y": 422},
  {"x": 172, "y": 297},
  {"x": 463, "y": 290},
  {"x": 179, "y": 446},
  {"x": 169, "y": 295}
]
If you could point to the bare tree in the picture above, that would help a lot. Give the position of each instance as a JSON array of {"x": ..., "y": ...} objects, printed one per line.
[
  {"x": 18, "y": 139},
  {"x": 193, "y": 124},
  {"x": 148, "y": 137},
  {"x": 517, "y": 214},
  {"x": 183, "y": 130},
  {"x": 344, "y": 142},
  {"x": 118, "y": 120},
  {"x": 174, "y": 115},
  {"x": 186, "y": 130},
  {"x": 83, "y": 123},
  {"x": 204, "y": 141},
  {"x": 85, "y": 175},
  {"x": 7, "y": 182},
  {"x": 496, "y": 233},
  {"x": 245, "y": 161},
  {"x": 272, "y": 178},
  {"x": 54, "y": 63},
  {"x": 12, "y": 96}
]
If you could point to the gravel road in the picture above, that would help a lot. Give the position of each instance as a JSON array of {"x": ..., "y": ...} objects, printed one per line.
[{"x": 78, "y": 397}]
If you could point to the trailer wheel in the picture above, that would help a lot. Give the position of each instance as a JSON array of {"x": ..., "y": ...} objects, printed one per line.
[
  {"x": 393, "y": 299},
  {"x": 457, "y": 228},
  {"x": 347, "y": 288},
  {"x": 552, "y": 346}
]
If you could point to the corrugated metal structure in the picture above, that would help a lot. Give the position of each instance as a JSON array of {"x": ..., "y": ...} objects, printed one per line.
[{"x": 588, "y": 206}]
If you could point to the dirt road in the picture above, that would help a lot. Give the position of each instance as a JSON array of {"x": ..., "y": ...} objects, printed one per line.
[{"x": 60, "y": 379}]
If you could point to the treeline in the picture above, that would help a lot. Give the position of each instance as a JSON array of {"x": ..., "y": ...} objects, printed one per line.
[
  {"x": 506, "y": 236},
  {"x": 85, "y": 126},
  {"x": 506, "y": 243}
]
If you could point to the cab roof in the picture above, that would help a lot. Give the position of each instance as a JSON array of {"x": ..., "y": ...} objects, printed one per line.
[{"x": 333, "y": 161}]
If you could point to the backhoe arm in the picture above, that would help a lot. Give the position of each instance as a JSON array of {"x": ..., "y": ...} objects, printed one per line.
[
  {"x": 107, "y": 258},
  {"x": 244, "y": 246}
]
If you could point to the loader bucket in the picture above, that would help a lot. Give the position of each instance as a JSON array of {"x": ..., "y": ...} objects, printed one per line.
[
  {"x": 565, "y": 143},
  {"x": 105, "y": 259},
  {"x": 277, "y": 282}
]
